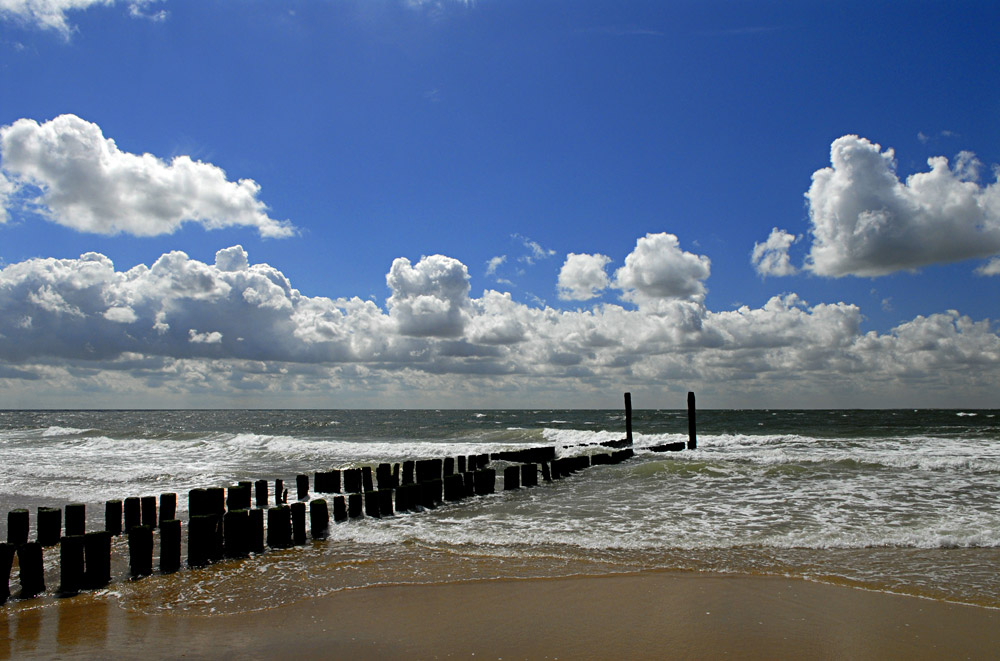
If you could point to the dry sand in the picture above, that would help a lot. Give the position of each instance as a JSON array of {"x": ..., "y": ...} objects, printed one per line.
[{"x": 650, "y": 615}]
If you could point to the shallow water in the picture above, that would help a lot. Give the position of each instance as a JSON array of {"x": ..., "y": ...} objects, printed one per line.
[{"x": 892, "y": 500}]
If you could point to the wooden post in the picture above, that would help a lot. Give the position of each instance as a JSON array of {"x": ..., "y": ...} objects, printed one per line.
[
  {"x": 7, "y": 551},
  {"x": 32, "y": 569},
  {"x": 628, "y": 417},
  {"x": 49, "y": 523},
  {"x": 371, "y": 505},
  {"x": 168, "y": 507},
  {"x": 240, "y": 497},
  {"x": 352, "y": 480},
  {"x": 76, "y": 520},
  {"x": 279, "y": 493},
  {"x": 133, "y": 513},
  {"x": 408, "y": 467},
  {"x": 113, "y": 517},
  {"x": 319, "y": 518},
  {"x": 279, "y": 527},
  {"x": 170, "y": 545},
  {"x": 383, "y": 475},
  {"x": 511, "y": 478},
  {"x": 385, "y": 502},
  {"x": 70, "y": 564},
  {"x": 97, "y": 559},
  {"x": 236, "y": 528},
  {"x": 339, "y": 509},
  {"x": 140, "y": 551},
  {"x": 529, "y": 475},
  {"x": 302, "y": 487},
  {"x": 17, "y": 529},
  {"x": 198, "y": 502},
  {"x": 692, "y": 435},
  {"x": 256, "y": 523},
  {"x": 148, "y": 506},
  {"x": 366, "y": 478},
  {"x": 355, "y": 505},
  {"x": 201, "y": 528},
  {"x": 260, "y": 489},
  {"x": 454, "y": 487},
  {"x": 298, "y": 523},
  {"x": 485, "y": 481}
]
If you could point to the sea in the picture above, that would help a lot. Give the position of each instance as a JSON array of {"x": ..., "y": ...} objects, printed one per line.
[{"x": 902, "y": 501}]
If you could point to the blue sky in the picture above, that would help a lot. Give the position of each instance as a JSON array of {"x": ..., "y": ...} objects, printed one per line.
[{"x": 499, "y": 203}]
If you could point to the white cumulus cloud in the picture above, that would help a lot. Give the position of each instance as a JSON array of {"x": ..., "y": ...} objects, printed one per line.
[
  {"x": 867, "y": 222},
  {"x": 771, "y": 257},
  {"x": 429, "y": 299},
  {"x": 90, "y": 185},
  {"x": 657, "y": 269},
  {"x": 181, "y": 328},
  {"x": 991, "y": 267},
  {"x": 582, "y": 277}
]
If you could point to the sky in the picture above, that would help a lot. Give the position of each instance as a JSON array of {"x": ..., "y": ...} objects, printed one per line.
[{"x": 499, "y": 203}]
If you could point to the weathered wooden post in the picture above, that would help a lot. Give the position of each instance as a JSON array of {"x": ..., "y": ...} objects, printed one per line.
[
  {"x": 352, "y": 480},
  {"x": 240, "y": 497},
  {"x": 511, "y": 478},
  {"x": 279, "y": 527},
  {"x": 133, "y": 513},
  {"x": 236, "y": 529},
  {"x": 17, "y": 529},
  {"x": 529, "y": 475},
  {"x": 49, "y": 522},
  {"x": 260, "y": 490},
  {"x": 408, "y": 467},
  {"x": 385, "y": 502},
  {"x": 355, "y": 504},
  {"x": 454, "y": 487},
  {"x": 256, "y": 532},
  {"x": 170, "y": 545},
  {"x": 449, "y": 466},
  {"x": 319, "y": 518},
  {"x": 383, "y": 476},
  {"x": 461, "y": 463},
  {"x": 371, "y": 504},
  {"x": 113, "y": 517},
  {"x": 692, "y": 435},
  {"x": 76, "y": 520},
  {"x": 148, "y": 505},
  {"x": 7, "y": 551},
  {"x": 140, "y": 551},
  {"x": 628, "y": 417},
  {"x": 485, "y": 481},
  {"x": 298, "y": 523},
  {"x": 70, "y": 564},
  {"x": 97, "y": 559},
  {"x": 168, "y": 507},
  {"x": 339, "y": 509},
  {"x": 32, "y": 569},
  {"x": 302, "y": 487},
  {"x": 546, "y": 472},
  {"x": 367, "y": 482},
  {"x": 201, "y": 530},
  {"x": 279, "y": 493}
]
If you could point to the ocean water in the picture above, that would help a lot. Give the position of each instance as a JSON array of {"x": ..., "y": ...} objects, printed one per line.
[{"x": 906, "y": 501}]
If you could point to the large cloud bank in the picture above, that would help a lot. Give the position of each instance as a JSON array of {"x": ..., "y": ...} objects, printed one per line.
[
  {"x": 85, "y": 182},
  {"x": 865, "y": 221},
  {"x": 181, "y": 325}
]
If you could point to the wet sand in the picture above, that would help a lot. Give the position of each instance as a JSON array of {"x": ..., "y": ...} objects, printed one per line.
[{"x": 649, "y": 615}]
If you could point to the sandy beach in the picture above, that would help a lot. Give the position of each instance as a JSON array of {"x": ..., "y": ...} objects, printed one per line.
[{"x": 649, "y": 615}]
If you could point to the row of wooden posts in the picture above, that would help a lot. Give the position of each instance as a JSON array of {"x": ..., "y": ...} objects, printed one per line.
[{"x": 224, "y": 524}]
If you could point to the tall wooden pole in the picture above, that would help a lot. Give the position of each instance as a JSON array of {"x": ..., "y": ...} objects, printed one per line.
[
  {"x": 692, "y": 436},
  {"x": 628, "y": 417}
]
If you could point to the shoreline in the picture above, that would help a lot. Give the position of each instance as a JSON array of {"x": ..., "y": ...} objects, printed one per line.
[{"x": 649, "y": 614}]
